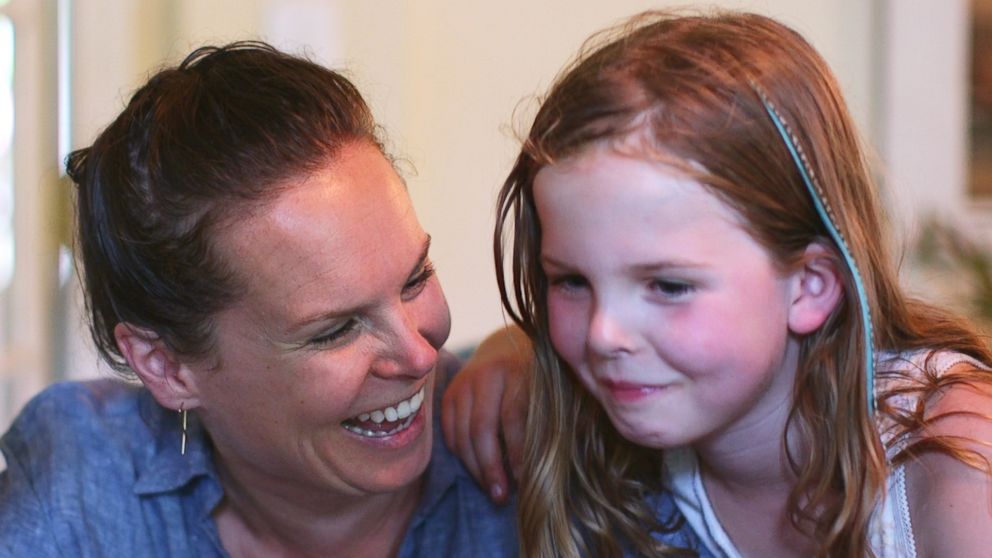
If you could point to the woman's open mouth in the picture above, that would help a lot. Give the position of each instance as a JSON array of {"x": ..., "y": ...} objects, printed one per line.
[{"x": 388, "y": 420}]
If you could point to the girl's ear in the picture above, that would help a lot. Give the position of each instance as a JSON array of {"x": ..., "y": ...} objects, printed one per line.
[
  {"x": 169, "y": 380},
  {"x": 817, "y": 289}
]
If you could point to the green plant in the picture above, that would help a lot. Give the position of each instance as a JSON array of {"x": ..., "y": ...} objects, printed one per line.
[{"x": 943, "y": 247}]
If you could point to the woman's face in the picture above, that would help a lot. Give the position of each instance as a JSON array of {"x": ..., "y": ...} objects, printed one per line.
[{"x": 324, "y": 368}]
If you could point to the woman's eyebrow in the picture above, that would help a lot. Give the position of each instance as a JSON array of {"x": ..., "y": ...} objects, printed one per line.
[
  {"x": 323, "y": 316},
  {"x": 422, "y": 259}
]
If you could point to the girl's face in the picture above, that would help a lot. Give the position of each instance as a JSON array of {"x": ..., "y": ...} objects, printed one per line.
[{"x": 671, "y": 315}]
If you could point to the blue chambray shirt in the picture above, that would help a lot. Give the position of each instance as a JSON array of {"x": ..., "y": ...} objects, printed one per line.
[{"x": 94, "y": 469}]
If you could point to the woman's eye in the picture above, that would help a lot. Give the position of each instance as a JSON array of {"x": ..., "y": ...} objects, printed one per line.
[
  {"x": 336, "y": 334},
  {"x": 671, "y": 289},
  {"x": 416, "y": 284}
]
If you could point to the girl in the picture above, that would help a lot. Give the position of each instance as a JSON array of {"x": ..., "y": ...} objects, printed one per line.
[{"x": 698, "y": 256}]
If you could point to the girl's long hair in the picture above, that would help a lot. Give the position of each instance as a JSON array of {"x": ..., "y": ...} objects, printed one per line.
[{"x": 683, "y": 89}]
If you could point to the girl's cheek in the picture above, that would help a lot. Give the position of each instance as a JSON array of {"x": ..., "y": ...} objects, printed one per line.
[{"x": 567, "y": 328}]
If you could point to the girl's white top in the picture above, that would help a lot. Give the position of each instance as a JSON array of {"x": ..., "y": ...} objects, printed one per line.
[{"x": 890, "y": 530}]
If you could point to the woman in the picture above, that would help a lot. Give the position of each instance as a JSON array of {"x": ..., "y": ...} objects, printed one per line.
[{"x": 251, "y": 256}]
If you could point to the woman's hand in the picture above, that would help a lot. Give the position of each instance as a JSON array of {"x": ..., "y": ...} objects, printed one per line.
[{"x": 484, "y": 410}]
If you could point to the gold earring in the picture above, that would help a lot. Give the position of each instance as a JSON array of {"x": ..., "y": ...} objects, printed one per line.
[{"x": 182, "y": 420}]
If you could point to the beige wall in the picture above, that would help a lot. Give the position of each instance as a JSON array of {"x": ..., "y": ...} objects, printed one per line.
[
  {"x": 445, "y": 77},
  {"x": 451, "y": 81}
]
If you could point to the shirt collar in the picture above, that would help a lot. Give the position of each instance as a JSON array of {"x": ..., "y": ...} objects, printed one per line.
[{"x": 165, "y": 469}]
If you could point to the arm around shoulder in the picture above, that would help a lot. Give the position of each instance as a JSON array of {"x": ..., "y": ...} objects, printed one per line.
[{"x": 484, "y": 409}]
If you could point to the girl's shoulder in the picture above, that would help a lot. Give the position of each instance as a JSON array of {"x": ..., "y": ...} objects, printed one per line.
[
  {"x": 949, "y": 469},
  {"x": 909, "y": 383},
  {"x": 919, "y": 363},
  {"x": 913, "y": 387}
]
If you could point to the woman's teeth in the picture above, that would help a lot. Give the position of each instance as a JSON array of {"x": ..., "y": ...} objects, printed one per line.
[
  {"x": 401, "y": 411},
  {"x": 377, "y": 423}
]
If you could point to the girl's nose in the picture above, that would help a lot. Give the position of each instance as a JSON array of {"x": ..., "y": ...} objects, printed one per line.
[{"x": 608, "y": 335}]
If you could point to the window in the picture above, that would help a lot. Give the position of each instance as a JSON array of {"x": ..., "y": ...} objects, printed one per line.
[
  {"x": 7, "y": 258},
  {"x": 31, "y": 306}
]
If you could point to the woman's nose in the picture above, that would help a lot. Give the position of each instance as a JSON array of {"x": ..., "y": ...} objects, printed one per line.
[{"x": 409, "y": 351}]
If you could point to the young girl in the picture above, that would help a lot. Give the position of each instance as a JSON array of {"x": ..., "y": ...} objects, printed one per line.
[{"x": 698, "y": 256}]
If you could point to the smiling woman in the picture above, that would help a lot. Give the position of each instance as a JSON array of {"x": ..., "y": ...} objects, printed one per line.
[
  {"x": 337, "y": 320},
  {"x": 253, "y": 259}
]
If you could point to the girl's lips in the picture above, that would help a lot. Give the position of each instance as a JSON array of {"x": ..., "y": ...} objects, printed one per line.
[{"x": 629, "y": 392}]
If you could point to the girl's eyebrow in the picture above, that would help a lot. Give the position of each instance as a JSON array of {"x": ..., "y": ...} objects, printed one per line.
[
  {"x": 665, "y": 265},
  {"x": 547, "y": 261},
  {"x": 646, "y": 267}
]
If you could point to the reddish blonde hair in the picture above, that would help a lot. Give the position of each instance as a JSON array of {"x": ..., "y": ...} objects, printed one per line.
[{"x": 682, "y": 87}]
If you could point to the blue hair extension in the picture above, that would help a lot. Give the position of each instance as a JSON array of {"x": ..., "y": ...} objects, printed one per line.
[{"x": 823, "y": 208}]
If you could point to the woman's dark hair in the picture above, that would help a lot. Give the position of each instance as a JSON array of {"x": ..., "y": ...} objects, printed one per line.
[{"x": 196, "y": 145}]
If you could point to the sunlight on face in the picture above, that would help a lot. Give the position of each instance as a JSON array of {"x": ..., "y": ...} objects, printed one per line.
[{"x": 341, "y": 321}]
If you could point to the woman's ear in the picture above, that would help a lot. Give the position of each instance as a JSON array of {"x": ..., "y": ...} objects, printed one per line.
[
  {"x": 169, "y": 380},
  {"x": 817, "y": 289}
]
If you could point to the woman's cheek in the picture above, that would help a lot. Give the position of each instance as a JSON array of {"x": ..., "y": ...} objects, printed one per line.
[{"x": 436, "y": 319}]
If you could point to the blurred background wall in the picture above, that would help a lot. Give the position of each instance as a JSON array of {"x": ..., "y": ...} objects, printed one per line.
[{"x": 451, "y": 81}]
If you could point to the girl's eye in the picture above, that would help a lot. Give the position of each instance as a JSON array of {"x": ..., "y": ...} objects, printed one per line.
[
  {"x": 416, "y": 284},
  {"x": 671, "y": 289},
  {"x": 568, "y": 283},
  {"x": 335, "y": 335}
]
